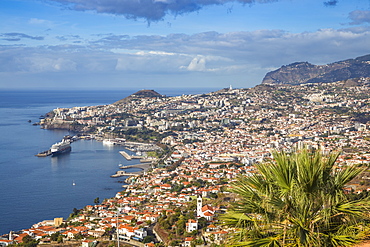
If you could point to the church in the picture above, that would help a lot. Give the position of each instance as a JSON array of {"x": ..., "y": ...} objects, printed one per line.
[{"x": 205, "y": 211}]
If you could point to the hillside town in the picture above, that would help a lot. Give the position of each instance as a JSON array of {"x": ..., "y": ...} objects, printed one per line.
[{"x": 199, "y": 144}]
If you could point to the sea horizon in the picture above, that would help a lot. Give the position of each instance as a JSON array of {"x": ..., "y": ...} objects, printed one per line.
[{"x": 174, "y": 91}]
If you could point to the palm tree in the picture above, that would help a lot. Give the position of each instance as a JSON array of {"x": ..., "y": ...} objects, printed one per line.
[{"x": 296, "y": 200}]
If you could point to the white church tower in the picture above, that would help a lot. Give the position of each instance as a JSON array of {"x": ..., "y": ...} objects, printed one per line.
[{"x": 199, "y": 206}]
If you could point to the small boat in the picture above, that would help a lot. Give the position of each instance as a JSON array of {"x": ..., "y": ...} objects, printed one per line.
[
  {"x": 73, "y": 183},
  {"x": 119, "y": 164}
]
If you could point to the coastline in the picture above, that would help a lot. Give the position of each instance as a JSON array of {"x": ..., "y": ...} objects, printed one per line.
[
  {"x": 88, "y": 153},
  {"x": 144, "y": 166},
  {"x": 54, "y": 173}
]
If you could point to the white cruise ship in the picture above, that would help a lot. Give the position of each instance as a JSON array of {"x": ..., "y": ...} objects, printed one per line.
[{"x": 60, "y": 147}]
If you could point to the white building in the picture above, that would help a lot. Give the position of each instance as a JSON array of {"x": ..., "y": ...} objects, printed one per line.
[
  {"x": 191, "y": 225},
  {"x": 205, "y": 211}
]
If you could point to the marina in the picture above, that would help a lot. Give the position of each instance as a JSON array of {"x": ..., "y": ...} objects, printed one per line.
[
  {"x": 130, "y": 157},
  {"x": 46, "y": 183},
  {"x": 144, "y": 166},
  {"x": 123, "y": 173}
]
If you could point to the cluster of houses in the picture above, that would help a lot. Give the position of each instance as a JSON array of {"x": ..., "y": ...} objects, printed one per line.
[{"x": 218, "y": 136}]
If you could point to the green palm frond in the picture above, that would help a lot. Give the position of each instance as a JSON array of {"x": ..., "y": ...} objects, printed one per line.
[
  {"x": 297, "y": 200},
  {"x": 354, "y": 208},
  {"x": 342, "y": 240},
  {"x": 346, "y": 175},
  {"x": 238, "y": 220},
  {"x": 263, "y": 242}
]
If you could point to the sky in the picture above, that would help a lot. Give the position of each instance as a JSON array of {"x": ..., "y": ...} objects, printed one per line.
[{"x": 122, "y": 44}]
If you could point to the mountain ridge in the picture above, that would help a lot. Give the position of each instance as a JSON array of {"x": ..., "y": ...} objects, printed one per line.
[{"x": 305, "y": 72}]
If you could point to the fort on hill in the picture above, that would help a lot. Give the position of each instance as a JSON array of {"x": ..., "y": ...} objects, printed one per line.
[{"x": 140, "y": 94}]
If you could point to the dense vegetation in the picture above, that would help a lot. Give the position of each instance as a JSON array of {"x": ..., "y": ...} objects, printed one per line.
[{"x": 298, "y": 200}]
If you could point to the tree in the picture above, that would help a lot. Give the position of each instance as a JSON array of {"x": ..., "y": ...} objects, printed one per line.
[
  {"x": 78, "y": 236},
  {"x": 175, "y": 242},
  {"x": 97, "y": 200},
  {"x": 148, "y": 239},
  {"x": 54, "y": 236},
  {"x": 180, "y": 225},
  {"x": 296, "y": 200},
  {"x": 202, "y": 222},
  {"x": 28, "y": 241},
  {"x": 74, "y": 213},
  {"x": 60, "y": 239}
]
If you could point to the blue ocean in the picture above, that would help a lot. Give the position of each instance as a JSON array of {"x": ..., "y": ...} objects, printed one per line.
[{"x": 33, "y": 188}]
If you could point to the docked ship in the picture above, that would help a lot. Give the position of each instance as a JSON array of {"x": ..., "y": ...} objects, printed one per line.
[
  {"x": 60, "y": 147},
  {"x": 108, "y": 142}
]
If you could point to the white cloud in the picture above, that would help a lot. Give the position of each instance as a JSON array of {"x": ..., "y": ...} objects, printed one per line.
[
  {"x": 245, "y": 55},
  {"x": 197, "y": 64},
  {"x": 159, "y": 53},
  {"x": 158, "y": 62},
  {"x": 49, "y": 64}
]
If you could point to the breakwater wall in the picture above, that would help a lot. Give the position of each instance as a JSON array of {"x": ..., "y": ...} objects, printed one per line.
[
  {"x": 123, "y": 173},
  {"x": 144, "y": 166}
]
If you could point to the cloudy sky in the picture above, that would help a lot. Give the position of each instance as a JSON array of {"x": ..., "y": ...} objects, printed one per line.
[{"x": 109, "y": 44}]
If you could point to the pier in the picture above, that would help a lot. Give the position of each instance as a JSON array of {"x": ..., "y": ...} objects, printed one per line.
[
  {"x": 44, "y": 153},
  {"x": 126, "y": 155},
  {"x": 130, "y": 157},
  {"x": 123, "y": 173},
  {"x": 144, "y": 166}
]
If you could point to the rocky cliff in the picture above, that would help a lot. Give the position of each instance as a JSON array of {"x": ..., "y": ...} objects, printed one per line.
[{"x": 304, "y": 72}]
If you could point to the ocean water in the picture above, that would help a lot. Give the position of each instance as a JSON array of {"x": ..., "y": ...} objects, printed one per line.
[{"x": 33, "y": 188}]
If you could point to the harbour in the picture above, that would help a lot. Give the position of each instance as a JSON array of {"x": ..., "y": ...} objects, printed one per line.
[
  {"x": 123, "y": 174},
  {"x": 129, "y": 157},
  {"x": 46, "y": 182},
  {"x": 144, "y": 166}
]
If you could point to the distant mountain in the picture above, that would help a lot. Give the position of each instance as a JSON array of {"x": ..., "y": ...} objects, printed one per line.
[
  {"x": 140, "y": 94},
  {"x": 304, "y": 72}
]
